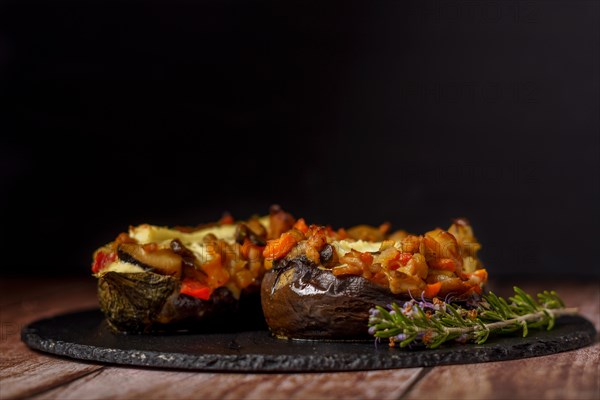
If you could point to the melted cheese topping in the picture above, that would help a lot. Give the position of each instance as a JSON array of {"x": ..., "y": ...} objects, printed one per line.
[
  {"x": 163, "y": 236},
  {"x": 158, "y": 234},
  {"x": 344, "y": 246},
  {"x": 201, "y": 252},
  {"x": 122, "y": 267}
]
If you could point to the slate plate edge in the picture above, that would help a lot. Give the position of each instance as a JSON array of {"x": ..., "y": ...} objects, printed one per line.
[{"x": 268, "y": 363}]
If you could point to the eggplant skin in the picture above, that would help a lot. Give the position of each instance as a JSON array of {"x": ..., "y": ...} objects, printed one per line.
[
  {"x": 302, "y": 301},
  {"x": 148, "y": 302}
]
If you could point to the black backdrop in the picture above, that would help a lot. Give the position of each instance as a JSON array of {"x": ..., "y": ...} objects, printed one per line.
[{"x": 170, "y": 112}]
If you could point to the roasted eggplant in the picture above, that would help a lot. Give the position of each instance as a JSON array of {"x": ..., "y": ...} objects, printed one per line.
[
  {"x": 322, "y": 283},
  {"x": 158, "y": 279},
  {"x": 139, "y": 302},
  {"x": 303, "y": 301}
]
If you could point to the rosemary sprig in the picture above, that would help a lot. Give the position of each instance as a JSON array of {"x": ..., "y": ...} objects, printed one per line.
[{"x": 433, "y": 323}]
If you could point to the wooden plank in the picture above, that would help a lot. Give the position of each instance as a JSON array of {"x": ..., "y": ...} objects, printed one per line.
[
  {"x": 39, "y": 373},
  {"x": 22, "y": 371},
  {"x": 127, "y": 383},
  {"x": 570, "y": 375},
  {"x": 16, "y": 290},
  {"x": 28, "y": 305},
  {"x": 25, "y": 373}
]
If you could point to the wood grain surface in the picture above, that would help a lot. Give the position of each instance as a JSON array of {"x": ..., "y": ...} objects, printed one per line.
[
  {"x": 28, "y": 374},
  {"x": 24, "y": 372}
]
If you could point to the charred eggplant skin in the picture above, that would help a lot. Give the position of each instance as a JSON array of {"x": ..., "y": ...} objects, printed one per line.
[
  {"x": 149, "y": 302},
  {"x": 302, "y": 301},
  {"x": 132, "y": 301}
]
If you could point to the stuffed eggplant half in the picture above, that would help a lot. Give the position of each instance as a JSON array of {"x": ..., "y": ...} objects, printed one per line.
[
  {"x": 155, "y": 278},
  {"x": 321, "y": 284}
]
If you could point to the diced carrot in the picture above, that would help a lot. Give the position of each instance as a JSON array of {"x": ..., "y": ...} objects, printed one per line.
[
  {"x": 481, "y": 274},
  {"x": 217, "y": 275},
  {"x": 447, "y": 264},
  {"x": 367, "y": 258},
  {"x": 476, "y": 280},
  {"x": 278, "y": 248},
  {"x": 342, "y": 234},
  {"x": 301, "y": 225},
  {"x": 432, "y": 290},
  {"x": 245, "y": 249}
]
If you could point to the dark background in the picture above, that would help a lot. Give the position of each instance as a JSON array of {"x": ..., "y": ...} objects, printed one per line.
[{"x": 171, "y": 112}]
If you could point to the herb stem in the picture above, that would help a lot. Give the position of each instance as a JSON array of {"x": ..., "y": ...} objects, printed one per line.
[
  {"x": 432, "y": 324},
  {"x": 531, "y": 317},
  {"x": 508, "y": 322}
]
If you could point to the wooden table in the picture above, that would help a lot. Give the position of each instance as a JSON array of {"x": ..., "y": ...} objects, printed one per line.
[{"x": 26, "y": 373}]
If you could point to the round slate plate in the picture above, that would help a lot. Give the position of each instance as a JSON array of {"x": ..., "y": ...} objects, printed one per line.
[{"x": 85, "y": 336}]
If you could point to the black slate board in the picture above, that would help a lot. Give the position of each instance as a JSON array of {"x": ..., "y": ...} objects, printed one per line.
[{"x": 85, "y": 336}]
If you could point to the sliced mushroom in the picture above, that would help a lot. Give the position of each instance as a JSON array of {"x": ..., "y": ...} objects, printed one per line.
[
  {"x": 244, "y": 231},
  {"x": 162, "y": 261}
]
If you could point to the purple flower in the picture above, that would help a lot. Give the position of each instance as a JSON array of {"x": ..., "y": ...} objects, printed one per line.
[
  {"x": 474, "y": 301},
  {"x": 448, "y": 299}
]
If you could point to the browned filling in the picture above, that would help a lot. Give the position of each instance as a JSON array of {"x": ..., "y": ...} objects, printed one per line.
[{"x": 437, "y": 263}]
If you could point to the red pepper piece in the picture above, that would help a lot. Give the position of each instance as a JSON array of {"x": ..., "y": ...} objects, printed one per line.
[
  {"x": 405, "y": 258},
  {"x": 196, "y": 289},
  {"x": 102, "y": 260}
]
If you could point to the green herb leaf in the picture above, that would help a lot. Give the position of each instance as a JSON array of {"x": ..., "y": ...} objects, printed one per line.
[{"x": 435, "y": 324}]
